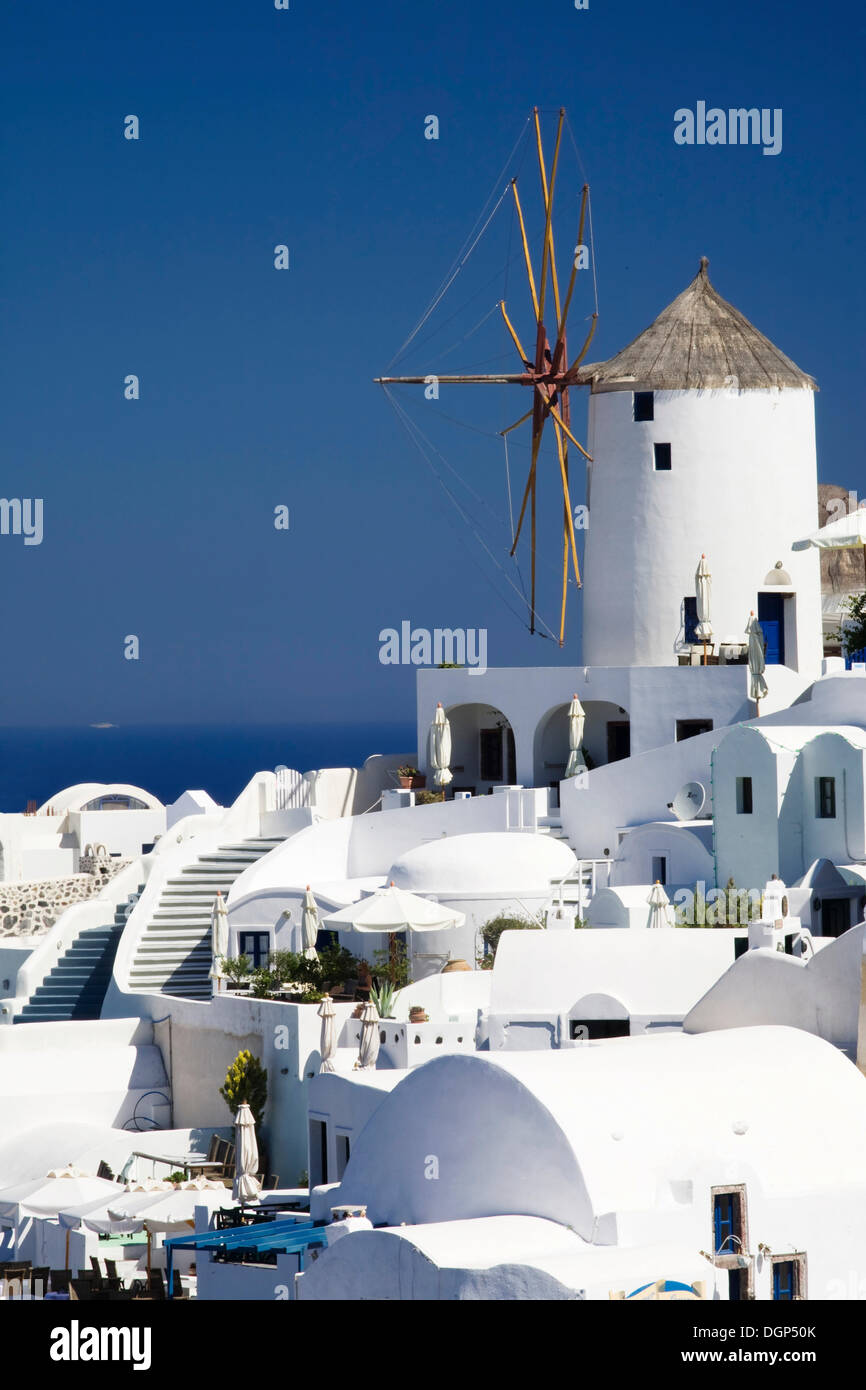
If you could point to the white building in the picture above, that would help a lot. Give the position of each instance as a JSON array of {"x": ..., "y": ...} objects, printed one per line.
[
  {"x": 49, "y": 842},
  {"x": 702, "y": 435},
  {"x": 644, "y": 1152}
]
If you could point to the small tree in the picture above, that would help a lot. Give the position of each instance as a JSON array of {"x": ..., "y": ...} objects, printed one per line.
[
  {"x": 391, "y": 966},
  {"x": 493, "y": 929},
  {"x": 853, "y": 634},
  {"x": 246, "y": 1080}
]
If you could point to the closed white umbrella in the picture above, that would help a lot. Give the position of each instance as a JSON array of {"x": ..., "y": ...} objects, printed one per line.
[
  {"x": 328, "y": 1039},
  {"x": 440, "y": 749},
  {"x": 368, "y": 1052},
  {"x": 703, "y": 592},
  {"x": 576, "y": 721},
  {"x": 659, "y": 905},
  {"x": 310, "y": 925},
  {"x": 219, "y": 930},
  {"x": 393, "y": 909},
  {"x": 757, "y": 663},
  {"x": 246, "y": 1185}
]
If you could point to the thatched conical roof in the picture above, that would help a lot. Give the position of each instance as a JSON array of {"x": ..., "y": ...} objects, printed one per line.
[{"x": 698, "y": 341}]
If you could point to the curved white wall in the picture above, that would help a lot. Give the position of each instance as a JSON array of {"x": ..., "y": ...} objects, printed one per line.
[{"x": 742, "y": 488}]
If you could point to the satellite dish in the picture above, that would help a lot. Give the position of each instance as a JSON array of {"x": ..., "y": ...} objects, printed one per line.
[{"x": 689, "y": 801}]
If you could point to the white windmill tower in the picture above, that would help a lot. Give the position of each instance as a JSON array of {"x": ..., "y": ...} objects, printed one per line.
[{"x": 702, "y": 435}]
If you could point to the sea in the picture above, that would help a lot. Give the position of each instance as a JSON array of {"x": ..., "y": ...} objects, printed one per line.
[{"x": 166, "y": 760}]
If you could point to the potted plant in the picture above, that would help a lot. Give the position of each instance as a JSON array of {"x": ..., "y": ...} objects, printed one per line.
[
  {"x": 418, "y": 1014},
  {"x": 237, "y": 971},
  {"x": 411, "y": 778},
  {"x": 382, "y": 996}
]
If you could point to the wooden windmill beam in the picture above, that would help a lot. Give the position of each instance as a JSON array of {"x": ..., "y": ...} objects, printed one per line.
[{"x": 548, "y": 374}]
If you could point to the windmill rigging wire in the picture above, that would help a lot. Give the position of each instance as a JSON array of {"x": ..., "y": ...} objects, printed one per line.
[
  {"x": 461, "y": 257},
  {"x": 466, "y": 336},
  {"x": 408, "y": 426},
  {"x": 592, "y": 250},
  {"x": 416, "y": 434},
  {"x": 508, "y": 485}
]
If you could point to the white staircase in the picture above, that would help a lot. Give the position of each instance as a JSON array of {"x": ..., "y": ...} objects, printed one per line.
[
  {"x": 575, "y": 892},
  {"x": 552, "y": 825},
  {"x": 173, "y": 954}
]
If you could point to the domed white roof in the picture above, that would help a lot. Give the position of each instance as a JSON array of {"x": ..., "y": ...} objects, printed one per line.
[{"x": 492, "y": 862}]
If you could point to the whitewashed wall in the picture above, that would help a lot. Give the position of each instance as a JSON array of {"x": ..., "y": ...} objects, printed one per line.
[{"x": 741, "y": 489}]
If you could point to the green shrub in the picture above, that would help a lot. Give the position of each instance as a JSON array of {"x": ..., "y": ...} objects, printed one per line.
[
  {"x": 236, "y": 968},
  {"x": 853, "y": 634},
  {"x": 492, "y": 931}
]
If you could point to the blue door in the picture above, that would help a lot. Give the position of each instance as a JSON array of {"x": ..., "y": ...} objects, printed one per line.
[{"x": 771, "y": 616}]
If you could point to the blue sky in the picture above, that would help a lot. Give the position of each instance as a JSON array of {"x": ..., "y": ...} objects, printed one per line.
[{"x": 306, "y": 127}]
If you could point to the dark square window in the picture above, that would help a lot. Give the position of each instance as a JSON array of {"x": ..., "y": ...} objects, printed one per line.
[
  {"x": 825, "y": 797},
  {"x": 644, "y": 408},
  {"x": 256, "y": 945},
  {"x": 662, "y": 457},
  {"x": 659, "y": 871},
  {"x": 690, "y": 618},
  {"x": 784, "y": 1280},
  {"x": 490, "y": 755},
  {"x": 727, "y": 1223},
  {"x": 690, "y": 728}
]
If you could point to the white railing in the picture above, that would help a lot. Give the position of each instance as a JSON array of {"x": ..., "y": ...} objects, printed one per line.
[
  {"x": 589, "y": 875},
  {"x": 293, "y": 790}
]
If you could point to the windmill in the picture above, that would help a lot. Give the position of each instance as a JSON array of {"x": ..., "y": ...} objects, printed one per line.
[{"x": 548, "y": 373}]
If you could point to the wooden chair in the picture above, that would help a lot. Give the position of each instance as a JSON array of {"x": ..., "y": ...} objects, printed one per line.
[
  {"x": 111, "y": 1271},
  {"x": 271, "y": 1182},
  {"x": 60, "y": 1280},
  {"x": 96, "y": 1268},
  {"x": 157, "y": 1284},
  {"x": 39, "y": 1278}
]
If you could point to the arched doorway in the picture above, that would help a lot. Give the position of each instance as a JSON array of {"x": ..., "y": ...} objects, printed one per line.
[
  {"x": 483, "y": 753},
  {"x": 550, "y": 754},
  {"x": 606, "y": 739}
]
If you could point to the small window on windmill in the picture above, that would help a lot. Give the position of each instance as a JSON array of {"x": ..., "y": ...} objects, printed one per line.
[
  {"x": 744, "y": 796},
  {"x": 644, "y": 405},
  {"x": 662, "y": 458}
]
